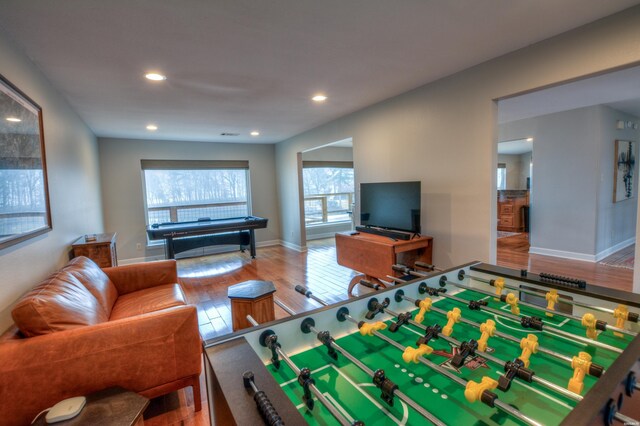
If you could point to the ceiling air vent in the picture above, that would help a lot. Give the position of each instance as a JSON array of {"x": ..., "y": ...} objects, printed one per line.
[{"x": 229, "y": 134}]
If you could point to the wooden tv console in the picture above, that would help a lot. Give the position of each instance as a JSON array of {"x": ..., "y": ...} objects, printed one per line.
[{"x": 374, "y": 255}]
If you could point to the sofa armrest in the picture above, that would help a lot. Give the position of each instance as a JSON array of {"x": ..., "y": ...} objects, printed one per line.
[
  {"x": 138, "y": 276},
  {"x": 136, "y": 353}
]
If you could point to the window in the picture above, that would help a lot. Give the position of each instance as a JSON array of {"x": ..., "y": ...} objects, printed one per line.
[
  {"x": 328, "y": 191},
  {"x": 502, "y": 176},
  {"x": 182, "y": 191}
]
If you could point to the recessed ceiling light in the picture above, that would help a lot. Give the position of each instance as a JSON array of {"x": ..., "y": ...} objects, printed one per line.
[
  {"x": 255, "y": 133},
  {"x": 155, "y": 76},
  {"x": 319, "y": 98},
  {"x": 152, "y": 127},
  {"x": 529, "y": 139},
  {"x": 13, "y": 119}
]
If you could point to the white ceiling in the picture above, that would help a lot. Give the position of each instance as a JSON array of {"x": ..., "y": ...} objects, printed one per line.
[
  {"x": 515, "y": 147},
  {"x": 240, "y": 65}
]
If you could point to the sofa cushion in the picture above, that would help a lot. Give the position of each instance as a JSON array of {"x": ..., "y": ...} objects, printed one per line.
[
  {"x": 95, "y": 280},
  {"x": 60, "y": 302},
  {"x": 148, "y": 300}
]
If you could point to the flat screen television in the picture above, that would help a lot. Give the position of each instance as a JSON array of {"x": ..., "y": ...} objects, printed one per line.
[{"x": 391, "y": 205}]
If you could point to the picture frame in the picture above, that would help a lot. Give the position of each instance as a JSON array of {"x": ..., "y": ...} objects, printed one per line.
[
  {"x": 624, "y": 170},
  {"x": 24, "y": 195}
]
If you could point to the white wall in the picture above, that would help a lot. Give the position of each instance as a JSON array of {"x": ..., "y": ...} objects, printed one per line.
[
  {"x": 616, "y": 225},
  {"x": 122, "y": 196},
  {"x": 514, "y": 166},
  {"x": 74, "y": 188},
  {"x": 444, "y": 134}
]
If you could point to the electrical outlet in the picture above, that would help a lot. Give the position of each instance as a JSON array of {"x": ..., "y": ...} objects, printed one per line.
[{"x": 139, "y": 246}]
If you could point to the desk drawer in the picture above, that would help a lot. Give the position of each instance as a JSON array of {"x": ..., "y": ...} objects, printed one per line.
[
  {"x": 506, "y": 220},
  {"x": 506, "y": 209}
]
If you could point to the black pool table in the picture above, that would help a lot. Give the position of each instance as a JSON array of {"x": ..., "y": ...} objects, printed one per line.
[{"x": 182, "y": 236}]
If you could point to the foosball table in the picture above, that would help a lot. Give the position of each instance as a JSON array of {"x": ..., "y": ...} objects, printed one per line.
[{"x": 475, "y": 344}]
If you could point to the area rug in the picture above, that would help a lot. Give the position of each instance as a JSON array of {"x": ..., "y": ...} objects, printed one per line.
[
  {"x": 504, "y": 234},
  {"x": 624, "y": 258}
]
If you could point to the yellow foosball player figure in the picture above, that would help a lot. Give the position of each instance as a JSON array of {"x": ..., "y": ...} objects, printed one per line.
[
  {"x": 552, "y": 299},
  {"x": 512, "y": 300},
  {"x": 453, "y": 317},
  {"x": 473, "y": 391},
  {"x": 367, "y": 329},
  {"x": 499, "y": 285},
  {"x": 411, "y": 354},
  {"x": 488, "y": 329},
  {"x": 425, "y": 306},
  {"x": 529, "y": 346},
  {"x": 620, "y": 314},
  {"x": 589, "y": 321},
  {"x": 580, "y": 365}
]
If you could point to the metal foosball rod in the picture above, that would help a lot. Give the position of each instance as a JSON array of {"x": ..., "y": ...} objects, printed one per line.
[
  {"x": 604, "y": 326},
  {"x": 377, "y": 376},
  {"x": 597, "y": 371},
  {"x": 308, "y": 325},
  {"x": 308, "y": 383},
  {"x": 526, "y": 322},
  {"x": 487, "y": 397},
  {"x": 529, "y": 376},
  {"x": 535, "y": 323},
  {"x": 600, "y": 325},
  {"x": 492, "y": 283}
]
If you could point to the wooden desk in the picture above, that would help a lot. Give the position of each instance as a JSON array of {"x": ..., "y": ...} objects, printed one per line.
[
  {"x": 374, "y": 255},
  {"x": 102, "y": 250}
]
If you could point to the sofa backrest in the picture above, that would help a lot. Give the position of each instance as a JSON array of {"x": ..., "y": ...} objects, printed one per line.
[
  {"x": 95, "y": 280},
  {"x": 61, "y": 302}
]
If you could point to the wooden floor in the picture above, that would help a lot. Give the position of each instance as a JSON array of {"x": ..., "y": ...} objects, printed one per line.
[
  {"x": 513, "y": 252},
  {"x": 206, "y": 279}
]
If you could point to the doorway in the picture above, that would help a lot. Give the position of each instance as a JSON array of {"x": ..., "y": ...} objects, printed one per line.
[
  {"x": 575, "y": 128},
  {"x": 328, "y": 188}
]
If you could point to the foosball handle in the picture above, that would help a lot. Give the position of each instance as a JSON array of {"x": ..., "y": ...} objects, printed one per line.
[
  {"x": 303, "y": 290},
  {"x": 369, "y": 284},
  {"x": 265, "y": 407}
]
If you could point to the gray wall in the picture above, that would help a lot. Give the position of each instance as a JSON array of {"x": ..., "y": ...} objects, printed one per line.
[
  {"x": 515, "y": 170},
  {"x": 572, "y": 212},
  {"x": 616, "y": 221},
  {"x": 122, "y": 196},
  {"x": 444, "y": 134},
  {"x": 74, "y": 188}
]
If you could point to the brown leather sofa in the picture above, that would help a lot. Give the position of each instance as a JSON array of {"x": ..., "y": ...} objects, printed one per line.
[{"x": 84, "y": 329}]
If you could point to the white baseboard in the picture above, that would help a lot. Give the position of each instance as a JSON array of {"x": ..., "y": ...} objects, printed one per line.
[
  {"x": 268, "y": 243},
  {"x": 292, "y": 246},
  {"x": 582, "y": 256},
  {"x": 564, "y": 254},
  {"x": 321, "y": 236},
  {"x": 613, "y": 249}
]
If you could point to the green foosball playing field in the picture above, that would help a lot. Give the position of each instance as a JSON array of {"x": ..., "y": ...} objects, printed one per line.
[{"x": 357, "y": 398}]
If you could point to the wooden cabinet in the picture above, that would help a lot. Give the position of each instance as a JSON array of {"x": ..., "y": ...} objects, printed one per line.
[
  {"x": 374, "y": 255},
  {"x": 510, "y": 213},
  {"x": 102, "y": 250}
]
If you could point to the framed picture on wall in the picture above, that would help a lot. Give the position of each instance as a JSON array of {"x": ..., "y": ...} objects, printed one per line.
[
  {"x": 624, "y": 170},
  {"x": 24, "y": 199}
]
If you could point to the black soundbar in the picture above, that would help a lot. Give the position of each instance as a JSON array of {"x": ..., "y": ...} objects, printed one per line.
[{"x": 398, "y": 235}]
